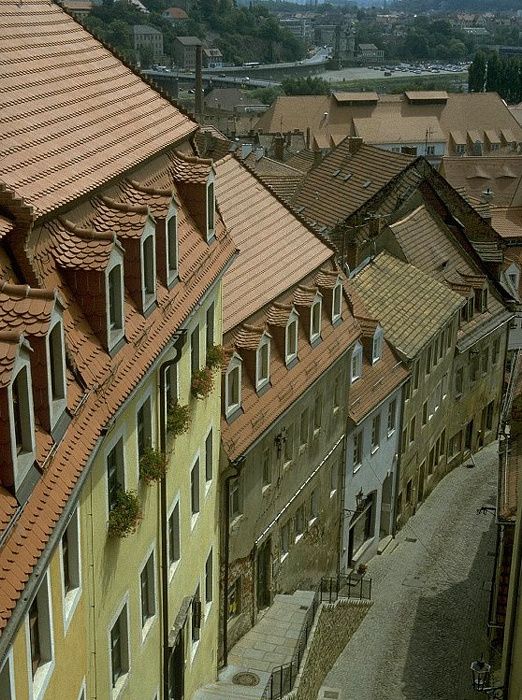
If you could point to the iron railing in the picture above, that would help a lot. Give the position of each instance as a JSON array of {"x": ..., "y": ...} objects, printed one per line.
[{"x": 329, "y": 590}]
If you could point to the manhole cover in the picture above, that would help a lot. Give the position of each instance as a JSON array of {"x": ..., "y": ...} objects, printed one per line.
[{"x": 245, "y": 678}]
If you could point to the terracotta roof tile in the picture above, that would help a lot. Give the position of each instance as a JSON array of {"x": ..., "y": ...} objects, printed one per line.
[
  {"x": 190, "y": 169},
  {"x": 268, "y": 236},
  {"x": 65, "y": 100}
]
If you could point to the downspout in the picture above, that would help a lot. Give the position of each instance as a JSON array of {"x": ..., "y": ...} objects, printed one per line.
[
  {"x": 178, "y": 345},
  {"x": 233, "y": 471}
]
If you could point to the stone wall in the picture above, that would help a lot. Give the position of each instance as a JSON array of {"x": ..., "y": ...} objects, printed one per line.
[{"x": 334, "y": 626}]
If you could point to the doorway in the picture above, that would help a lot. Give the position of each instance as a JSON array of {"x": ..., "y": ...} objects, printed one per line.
[
  {"x": 177, "y": 670},
  {"x": 263, "y": 575}
]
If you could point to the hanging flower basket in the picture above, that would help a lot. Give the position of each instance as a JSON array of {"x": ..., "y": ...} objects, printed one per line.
[
  {"x": 126, "y": 515},
  {"x": 215, "y": 357},
  {"x": 153, "y": 465},
  {"x": 178, "y": 418},
  {"x": 202, "y": 383}
]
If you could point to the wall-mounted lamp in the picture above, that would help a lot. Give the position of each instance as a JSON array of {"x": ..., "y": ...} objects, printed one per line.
[
  {"x": 480, "y": 672},
  {"x": 360, "y": 502}
]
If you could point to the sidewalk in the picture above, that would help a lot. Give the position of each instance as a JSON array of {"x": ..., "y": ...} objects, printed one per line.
[
  {"x": 431, "y": 597},
  {"x": 269, "y": 644}
]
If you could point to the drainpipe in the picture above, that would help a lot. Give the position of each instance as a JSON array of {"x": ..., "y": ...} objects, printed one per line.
[
  {"x": 233, "y": 471},
  {"x": 179, "y": 342}
]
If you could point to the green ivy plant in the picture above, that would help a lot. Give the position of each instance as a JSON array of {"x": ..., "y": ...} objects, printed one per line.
[
  {"x": 215, "y": 357},
  {"x": 178, "y": 418},
  {"x": 126, "y": 514},
  {"x": 153, "y": 465}
]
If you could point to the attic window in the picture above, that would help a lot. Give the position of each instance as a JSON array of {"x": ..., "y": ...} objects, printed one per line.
[
  {"x": 114, "y": 303},
  {"x": 56, "y": 362},
  {"x": 366, "y": 183},
  {"x": 337, "y": 301},
  {"x": 481, "y": 300},
  {"x": 336, "y": 172},
  {"x": 263, "y": 363},
  {"x": 211, "y": 211},
  {"x": 315, "y": 319},
  {"x": 21, "y": 419},
  {"x": 148, "y": 263},
  {"x": 233, "y": 386},
  {"x": 347, "y": 177},
  {"x": 172, "y": 247},
  {"x": 22, "y": 412},
  {"x": 377, "y": 345},
  {"x": 356, "y": 364},
  {"x": 291, "y": 339}
]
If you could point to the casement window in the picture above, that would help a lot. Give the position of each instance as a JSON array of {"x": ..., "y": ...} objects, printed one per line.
[
  {"x": 234, "y": 598},
  {"x": 194, "y": 490},
  {"x": 336, "y": 394},
  {"x": 147, "y": 594},
  {"x": 467, "y": 311},
  {"x": 291, "y": 338},
  {"x": 171, "y": 385},
  {"x": 481, "y": 300},
  {"x": 211, "y": 210},
  {"x": 413, "y": 425},
  {"x": 485, "y": 360},
  {"x": 195, "y": 619},
  {"x": 496, "y": 351},
  {"x": 289, "y": 445},
  {"x": 172, "y": 247},
  {"x": 438, "y": 396},
  {"x": 285, "y": 540},
  {"x": 318, "y": 413},
  {"x": 210, "y": 325},
  {"x": 263, "y": 362},
  {"x": 430, "y": 150},
  {"x": 377, "y": 345},
  {"x": 234, "y": 500},
  {"x": 392, "y": 413},
  {"x": 428, "y": 360},
  {"x": 70, "y": 565},
  {"x": 148, "y": 270},
  {"x": 233, "y": 379},
  {"x": 21, "y": 415},
  {"x": 376, "y": 432},
  {"x": 194, "y": 350},
  {"x": 459, "y": 382},
  {"x": 455, "y": 444},
  {"x": 314, "y": 506},
  {"x": 409, "y": 491},
  {"x": 473, "y": 366},
  {"x": 357, "y": 450},
  {"x": 144, "y": 427},
  {"x": 304, "y": 424},
  {"x": 415, "y": 375},
  {"x": 488, "y": 416},
  {"x": 114, "y": 295},
  {"x": 315, "y": 318},
  {"x": 40, "y": 635},
  {"x": 266, "y": 468},
  {"x": 445, "y": 384},
  {"x": 57, "y": 370},
  {"x": 299, "y": 522},
  {"x": 209, "y": 457},
  {"x": 115, "y": 473},
  {"x": 460, "y": 149},
  {"x": 424, "y": 413},
  {"x": 337, "y": 301},
  {"x": 404, "y": 440},
  {"x": 174, "y": 537},
  {"x": 356, "y": 362},
  {"x": 209, "y": 580},
  {"x": 119, "y": 651},
  {"x": 7, "y": 682}
]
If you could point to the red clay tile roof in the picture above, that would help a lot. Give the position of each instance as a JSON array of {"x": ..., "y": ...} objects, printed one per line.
[
  {"x": 6, "y": 225},
  {"x": 190, "y": 169},
  {"x": 344, "y": 181},
  {"x": 276, "y": 249},
  {"x": 73, "y": 117},
  {"x": 25, "y": 310},
  {"x": 77, "y": 247},
  {"x": 9, "y": 342}
]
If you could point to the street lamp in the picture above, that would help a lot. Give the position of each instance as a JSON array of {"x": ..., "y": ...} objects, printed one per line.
[
  {"x": 360, "y": 500},
  {"x": 480, "y": 672}
]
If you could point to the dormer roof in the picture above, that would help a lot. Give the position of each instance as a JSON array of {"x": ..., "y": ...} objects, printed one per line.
[
  {"x": 26, "y": 310},
  {"x": 75, "y": 246}
]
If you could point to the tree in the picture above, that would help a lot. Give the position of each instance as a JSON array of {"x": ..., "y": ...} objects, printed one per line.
[
  {"x": 493, "y": 73},
  {"x": 477, "y": 73},
  {"x": 306, "y": 86}
]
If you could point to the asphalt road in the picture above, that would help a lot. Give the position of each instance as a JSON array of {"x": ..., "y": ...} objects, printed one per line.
[{"x": 431, "y": 597}]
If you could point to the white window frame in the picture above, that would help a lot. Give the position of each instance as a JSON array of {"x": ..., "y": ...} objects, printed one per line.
[
  {"x": 359, "y": 445},
  {"x": 23, "y": 460},
  {"x": 208, "y": 482},
  {"x": 194, "y": 514},
  {"x": 122, "y": 681},
  {"x": 82, "y": 693},
  {"x": 392, "y": 413},
  {"x": 337, "y": 301},
  {"x": 111, "y": 444},
  {"x": 207, "y": 603},
  {"x": 235, "y": 364},
  {"x": 172, "y": 240},
  {"x": 71, "y": 597},
  {"x": 150, "y": 572},
  {"x": 146, "y": 397},
  {"x": 39, "y": 682},
  {"x": 262, "y": 379},
  {"x": 148, "y": 266},
  {"x": 376, "y": 433},
  {"x": 56, "y": 358},
  {"x": 116, "y": 331},
  {"x": 356, "y": 362},
  {"x": 377, "y": 344},
  {"x": 172, "y": 385},
  {"x": 173, "y": 565},
  {"x": 290, "y": 336},
  {"x": 8, "y": 666},
  {"x": 315, "y": 332},
  {"x": 210, "y": 207}
]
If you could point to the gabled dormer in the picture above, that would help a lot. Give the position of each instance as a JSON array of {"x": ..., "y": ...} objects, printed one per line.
[
  {"x": 253, "y": 342},
  {"x": 291, "y": 339},
  {"x": 377, "y": 344},
  {"x": 233, "y": 387},
  {"x": 512, "y": 278},
  {"x": 372, "y": 338},
  {"x": 283, "y": 322},
  {"x": 195, "y": 181},
  {"x": 171, "y": 243},
  {"x": 114, "y": 300},
  {"x": 330, "y": 285},
  {"x": 17, "y": 423},
  {"x": 356, "y": 362},
  {"x": 309, "y": 302}
]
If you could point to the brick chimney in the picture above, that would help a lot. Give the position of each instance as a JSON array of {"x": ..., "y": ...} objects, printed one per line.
[{"x": 354, "y": 143}]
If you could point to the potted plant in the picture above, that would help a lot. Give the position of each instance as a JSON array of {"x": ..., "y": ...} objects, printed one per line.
[
  {"x": 178, "y": 418},
  {"x": 202, "y": 383},
  {"x": 215, "y": 357},
  {"x": 153, "y": 465},
  {"x": 362, "y": 569},
  {"x": 126, "y": 514}
]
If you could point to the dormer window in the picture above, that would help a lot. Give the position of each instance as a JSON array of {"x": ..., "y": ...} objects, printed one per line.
[
  {"x": 56, "y": 364},
  {"x": 211, "y": 209},
  {"x": 481, "y": 300},
  {"x": 148, "y": 269},
  {"x": 172, "y": 246},
  {"x": 233, "y": 387},
  {"x": 263, "y": 362},
  {"x": 356, "y": 364},
  {"x": 377, "y": 345},
  {"x": 114, "y": 299},
  {"x": 292, "y": 328},
  {"x": 21, "y": 415},
  {"x": 337, "y": 301},
  {"x": 315, "y": 319}
]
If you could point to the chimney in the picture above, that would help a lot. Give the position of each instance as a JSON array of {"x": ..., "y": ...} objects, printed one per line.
[
  {"x": 318, "y": 156},
  {"x": 487, "y": 196},
  {"x": 198, "y": 100},
  {"x": 308, "y": 137},
  {"x": 279, "y": 147},
  {"x": 354, "y": 143},
  {"x": 374, "y": 225},
  {"x": 246, "y": 150}
]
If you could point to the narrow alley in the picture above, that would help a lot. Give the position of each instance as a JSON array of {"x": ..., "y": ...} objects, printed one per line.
[{"x": 431, "y": 596}]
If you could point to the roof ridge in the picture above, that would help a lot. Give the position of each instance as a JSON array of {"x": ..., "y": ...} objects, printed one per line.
[
  {"x": 24, "y": 291},
  {"x": 86, "y": 233},
  {"x": 124, "y": 206},
  {"x": 150, "y": 189}
]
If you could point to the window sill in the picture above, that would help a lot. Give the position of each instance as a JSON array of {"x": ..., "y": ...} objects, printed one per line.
[
  {"x": 193, "y": 520},
  {"x": 146, "y": 628},
  {"x": 70, "y": 603},
  {"x": 283, "y": 557},
  {"x": 312, "y": 521},
  {"x": 265, "y": 488},
  {"x": 375, "y": 449},
  {"x": 391, "y": 432},
  {"x": 291, "y": 361},
  {"x": 41, "y": 679},
  {"x": 194, "y": 650},
  {"x": 172, "y": 570},
  {"x": 298, "y": 537},
  {"x": 356, "y": 468},
  {"x": 333, "y": 492}
]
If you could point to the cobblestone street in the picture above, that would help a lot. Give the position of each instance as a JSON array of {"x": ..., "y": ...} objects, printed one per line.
[{"x": 431, "y": 597}]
